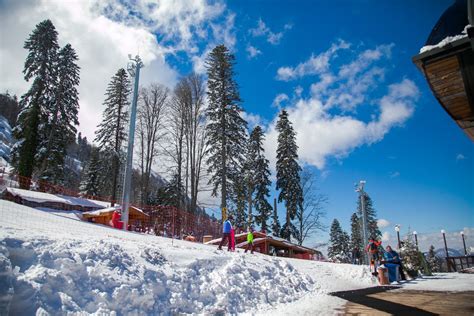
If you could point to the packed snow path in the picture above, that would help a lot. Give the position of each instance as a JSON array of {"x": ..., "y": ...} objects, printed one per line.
[{"x": 51, "y": 262}]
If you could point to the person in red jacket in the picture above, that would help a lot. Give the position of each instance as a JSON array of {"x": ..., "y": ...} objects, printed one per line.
[
  {"x": 373, "y": 248},
  {"x": 115, "y": 221}
]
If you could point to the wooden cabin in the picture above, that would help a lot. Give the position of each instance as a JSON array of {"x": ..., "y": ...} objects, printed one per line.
[
  {"x": 447, "y": 62},
  {"x": 136, "y": 217},
  {"x": 273, "y": 246}
]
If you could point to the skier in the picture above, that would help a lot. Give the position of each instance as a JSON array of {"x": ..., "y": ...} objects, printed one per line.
[
  {"x": 355, "y": 255},
  {"x": 250, "y": 240},
  {"x": 226, "y": 231}
]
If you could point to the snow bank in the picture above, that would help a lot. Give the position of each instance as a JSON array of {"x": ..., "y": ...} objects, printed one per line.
[{"x": 59, "y": 265}]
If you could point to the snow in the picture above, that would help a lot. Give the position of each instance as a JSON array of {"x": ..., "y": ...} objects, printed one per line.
[
  {"x": 452, "y": 282},
  {"x": 446, "y": 41},
  {"x": 53, "y": 263},
  {"x": 74, "y": 266},
  {"x": 111, "y": 209},
  {"x": 40, "y": 197}
]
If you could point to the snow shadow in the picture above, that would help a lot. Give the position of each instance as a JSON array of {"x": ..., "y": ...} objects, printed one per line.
[{"x": 363, "y": 297}]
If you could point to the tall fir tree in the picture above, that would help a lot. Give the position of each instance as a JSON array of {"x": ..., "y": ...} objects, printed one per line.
[
  {"x": 338, "y": 250},
  {"x": 356, "y": 234},
  {"x": 226, "y": 128},
  {"x": 93, "y": 175},
  {"x": 111, "y": 133},
  {"x": 276, "y": 227},
  {"x": 41, "y": 66},
  {"x": 373, "y": 230},
  {"x": 63, "y": 118},
  {"x": 258, "y": 178},
  {"x": 288, "y": 174}
]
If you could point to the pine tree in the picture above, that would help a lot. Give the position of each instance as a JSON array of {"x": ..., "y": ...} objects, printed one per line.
[
  {"x": 40, "y": 64},
  {"x": 111, "y": 133},
  {"x": 338, "y": 250},
  {"x": 373, "y": 230},
  {"x": 258, "y": 174},
  {"x": 226, "y": 128},
  {"x": 61, "y": 130},
  {"x": 276, "y": 227},
  {"x": 93, "y": 176},
  {"x": 356, "y": 233},
  {"x": 172, "y": 194},
  {"x": 412, "y": 261},
  {"x": 239, "y": 202},
  {"x": 288, "y": 173},
  {"x": 434, "y": 263}
]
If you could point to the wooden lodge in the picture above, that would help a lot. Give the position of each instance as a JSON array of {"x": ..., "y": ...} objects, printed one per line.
[
  {"x": 447, "y": 63},
  {"x": 273, "y": 246},
  {"x": 136, "y": 217}
]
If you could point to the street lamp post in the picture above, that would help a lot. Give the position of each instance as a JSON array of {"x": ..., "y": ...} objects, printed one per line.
[
  {"x": 416, "y": 240},
  {"x": 360, "y": 189},
  {"x": 445, "y": 244},
  {"x": 397, "y": 229},
  {"x": 446, "y": 249},
  {"x": 464, "y": 243},
  {"x": 134, "y": 70}
]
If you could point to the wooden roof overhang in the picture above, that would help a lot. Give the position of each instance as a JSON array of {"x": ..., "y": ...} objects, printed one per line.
[{"x": 449, "y": 71}]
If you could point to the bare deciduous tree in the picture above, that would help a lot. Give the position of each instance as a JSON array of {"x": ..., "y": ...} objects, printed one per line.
[
  {"x": 153, "y": 100},
  {"x": 309, "y": 216},
  {"x": 196, "y": 135}
]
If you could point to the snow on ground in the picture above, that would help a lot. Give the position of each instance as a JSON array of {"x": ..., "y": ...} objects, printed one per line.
[
  {"x": 53, "y": 263},
  {"x": 60, "y": 265},
  {"x": 455, "y": 282}
]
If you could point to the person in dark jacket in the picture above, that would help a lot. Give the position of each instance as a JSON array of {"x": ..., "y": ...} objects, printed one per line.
[
  {"x": 226, "y": 229},
  {"x": 355, "y": 255}
]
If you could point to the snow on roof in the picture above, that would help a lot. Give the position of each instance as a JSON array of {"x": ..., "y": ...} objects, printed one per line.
[
  {"x": 41, "y": 197},
  {"x": 268, "y": 237},
  {"x": 446, "y": 41},
  {"x": 112, "y": 209},
  {"x": 103, "y": 211}
]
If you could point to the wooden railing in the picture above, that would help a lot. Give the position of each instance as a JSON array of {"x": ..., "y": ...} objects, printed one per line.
[{"x": 456, "y": 264}]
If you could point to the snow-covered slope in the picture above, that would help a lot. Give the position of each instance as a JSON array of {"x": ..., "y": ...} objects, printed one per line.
[{"x": 59, "y": 264}]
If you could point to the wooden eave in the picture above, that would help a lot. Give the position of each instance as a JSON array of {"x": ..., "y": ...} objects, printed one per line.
[{"x": 449, "y": 71}]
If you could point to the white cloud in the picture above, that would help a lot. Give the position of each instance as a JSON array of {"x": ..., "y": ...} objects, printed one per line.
[
  {"x": 252, "y": 119},
  {"x": 104, "y": 33},
  {"x": 263, "y": 30},
  {"x": 279, "y": 99},
  {"x": 322, "y": 125},
  {"x": 314, "y": 65},
  {"x": 394, "y": 174},
  {"x": 386, "y": 236},
  {"x": 425, "y": 240},
  {"x": 460, "y": 157},
  {"x": 382, "y": 223},
  {"x": 252, "y": 51}
]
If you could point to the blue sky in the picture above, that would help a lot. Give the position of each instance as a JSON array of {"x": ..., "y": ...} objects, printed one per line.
[
  {"x": 415, "y": 174},
  {"x": 373, "y": 119}
]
